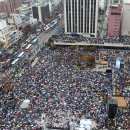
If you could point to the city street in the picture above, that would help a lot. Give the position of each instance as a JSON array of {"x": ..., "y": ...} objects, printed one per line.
[{"x": 43, "y": 38}]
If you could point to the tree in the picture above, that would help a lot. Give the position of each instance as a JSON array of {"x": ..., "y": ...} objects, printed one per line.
[
  {"x": 51, "y": 44},
  {"x": 72, "y": 47},
  {"x": 26, "y": 29}
]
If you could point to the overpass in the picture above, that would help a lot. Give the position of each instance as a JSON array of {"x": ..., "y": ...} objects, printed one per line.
[{"x": 93, "y": 44}]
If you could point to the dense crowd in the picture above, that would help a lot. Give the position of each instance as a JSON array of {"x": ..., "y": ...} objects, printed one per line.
[
  {"x": 79, "y": 38},
  {"x": 56, "y": 87},
  {"x": 122, "y": 81}
]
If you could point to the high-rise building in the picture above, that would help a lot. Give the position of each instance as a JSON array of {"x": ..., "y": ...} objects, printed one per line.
[
  {"x": 114, "y": 19},
  {"x": 41, "y": 11},
  {"x": 8, "y": 6},
  {"x": 81, "y": 17},
  {"x": 125, "y": 29}
]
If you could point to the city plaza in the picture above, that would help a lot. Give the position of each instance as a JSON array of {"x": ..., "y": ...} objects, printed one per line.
[{"x": 59, "y": 87}]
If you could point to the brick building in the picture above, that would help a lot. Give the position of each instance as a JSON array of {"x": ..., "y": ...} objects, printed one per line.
[{"x": 114, "y": 19}]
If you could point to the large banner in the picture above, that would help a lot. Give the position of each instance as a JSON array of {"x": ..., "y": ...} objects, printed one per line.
[{"x": 118, "y": 63}]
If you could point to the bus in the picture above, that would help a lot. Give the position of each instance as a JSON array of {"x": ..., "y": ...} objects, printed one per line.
[
  {"x": 28, "y": 47},
  {"x": 35, "y": 41},
  {"x": 47, "y": 28},
  {"x": 33, "y": 37},
  {"x": 15, "y": 62},
  {"x": 21, "y": 55},
  {"x": 54, "y": 23},
  {"x": 28, "y": 40}
]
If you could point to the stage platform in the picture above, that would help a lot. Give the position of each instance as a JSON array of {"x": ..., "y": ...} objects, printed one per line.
[{"x": 122, "y": 102}]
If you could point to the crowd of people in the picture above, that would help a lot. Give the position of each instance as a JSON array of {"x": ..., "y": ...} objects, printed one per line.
[
  {"x": 79, "y": 38},
  {"x": 56, "y": 87},
  {"x": 121, "y": 79}
]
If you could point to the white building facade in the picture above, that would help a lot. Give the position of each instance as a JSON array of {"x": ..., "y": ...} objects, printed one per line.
[
  {"x": 81, "y": 17},
  {"x": 125, "y": 29},
  {"x": 4, "y": 32},
  {"x": 8, "y": 37}
]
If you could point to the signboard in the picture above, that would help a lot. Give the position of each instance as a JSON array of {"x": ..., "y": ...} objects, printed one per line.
[{"x": 118, "y": 63}]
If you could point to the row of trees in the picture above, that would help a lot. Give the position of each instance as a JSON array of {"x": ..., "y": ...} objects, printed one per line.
[
  {"x": 28, "y": 29},
  {"x": 88, "y": 61}
]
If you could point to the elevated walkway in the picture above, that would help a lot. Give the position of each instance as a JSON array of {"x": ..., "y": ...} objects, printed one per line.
[{"x": 93, "y": 44}]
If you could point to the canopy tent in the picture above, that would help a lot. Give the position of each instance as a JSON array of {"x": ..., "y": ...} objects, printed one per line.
[
  {"x": 25, "y": 103},
  {"x": 86, "y": 123}
]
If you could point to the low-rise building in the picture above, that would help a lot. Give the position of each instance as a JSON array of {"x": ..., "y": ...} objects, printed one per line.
[
  {"x": 8, "y": 36},
  {"x": 3, "y": 15},
  {"x": 4, "y": 32},
  {"x": 15, "y": 35},
  {"x": 15, "y": 19},
  {"x": 24, "y": 9}
]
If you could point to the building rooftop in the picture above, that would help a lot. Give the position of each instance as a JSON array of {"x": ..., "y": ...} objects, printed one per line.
[
  {"x": 40, "y": 4},
  {"x": 53, "y": 2},
  {"x": 3, "y": 24},
  {"x": 24, "y": 7},
  {"x": 115, "y": 3}
]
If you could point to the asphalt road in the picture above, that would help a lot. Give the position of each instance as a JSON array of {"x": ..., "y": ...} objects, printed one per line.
[{"x": 43, "y": 38}]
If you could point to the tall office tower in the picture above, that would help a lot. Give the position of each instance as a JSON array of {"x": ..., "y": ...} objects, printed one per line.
[
  {"x": 41, "y": 11},
  {"x": 81, "y": 17}
]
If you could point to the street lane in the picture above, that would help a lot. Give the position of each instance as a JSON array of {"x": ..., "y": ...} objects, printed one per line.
[{"x": 43, "y": 38}]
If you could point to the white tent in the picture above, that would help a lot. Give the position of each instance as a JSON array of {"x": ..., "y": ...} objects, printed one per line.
[
  {"x": 86, "y": 123},
  {"x": 25, "y": 103}
]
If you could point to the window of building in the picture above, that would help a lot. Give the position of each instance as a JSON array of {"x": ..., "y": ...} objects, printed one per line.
[{"x": 115, "y": 13}]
